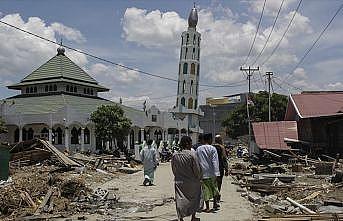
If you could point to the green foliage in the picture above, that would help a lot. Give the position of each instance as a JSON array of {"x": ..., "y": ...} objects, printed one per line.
[
  {"x": 3, "y": 128},
  {"x": 111, "y": 123},
  {"x": 237, "y": 121}
]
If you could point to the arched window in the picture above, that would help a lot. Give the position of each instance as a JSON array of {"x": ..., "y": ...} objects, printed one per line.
[
  {"x": 177, "y": 101},
  {"x": 87, "y": 136},
  {"x": 67, "y": 88},
  {"x": 184, "y": 86},
  {"x": 199, "y": 41},
  {"x": 190, "y": 103},
  {"x": 197, "y": 89},
  {"x": 179, "y": 68},
  {"x": 178, "y": 87},
  {"x": 55, "y": 87},
  {"x": 91, "y": 91},
  {"x": 183, "y": 101},
  {"x": 193, "y": 39},
  {"x": 24, "y": 134},
  {"x": 191, "y": 88},
  {"x": 198, "y": 54},
  {"x": 27, "y": 90},
  {"x": 198, "y": 70},
  {"x": 193, "y": 68},
  {"x": 35, "y": 89},
  {"x": 30, "y": 134},
  {"x": 193, "y": 54},
  {"x": 88, "y": 92},
  {"x": 185, "y": 68},
  {"x": 31, "y": 89},
  {"x": 75, "y": 89},
  {"x": 181, "y": 40},
  {"x": 44, "y": 133},
  {"x": 195, "y": 103},
  {"x": 16, "y": 135},
  {"x": 187, "y": 39},
  {"x": 186, "y": 53},
  {"x": 58, "y": 135},
  {"x": 84, "y": 90},
  {"x": 74, "y": 136},
  {"x": 46, "y": 88},
  {"x": 50, "y": 87}
]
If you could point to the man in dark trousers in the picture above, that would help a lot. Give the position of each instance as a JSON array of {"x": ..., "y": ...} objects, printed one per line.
[{"x": 223, "y": 164}]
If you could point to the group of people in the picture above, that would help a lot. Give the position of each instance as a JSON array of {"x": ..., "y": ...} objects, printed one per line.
[{"x": 198, "y": 174}]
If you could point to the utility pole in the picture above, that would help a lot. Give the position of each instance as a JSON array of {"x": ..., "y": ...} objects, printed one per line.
[
  {"x": 269, "y": 74},
  {"x": 249, "y": 71}
]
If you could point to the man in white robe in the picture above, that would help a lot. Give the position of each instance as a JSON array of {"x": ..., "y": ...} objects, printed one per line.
[{"x": 149, "y": 160}]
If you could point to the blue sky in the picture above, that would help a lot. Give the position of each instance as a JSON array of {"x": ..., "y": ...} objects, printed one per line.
[{"x": 146, "y": 35}]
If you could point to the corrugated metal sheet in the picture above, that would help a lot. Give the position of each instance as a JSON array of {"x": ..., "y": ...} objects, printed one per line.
[
  {"x": 316, "y": 104},
  {"x": 270, "y": 135}
]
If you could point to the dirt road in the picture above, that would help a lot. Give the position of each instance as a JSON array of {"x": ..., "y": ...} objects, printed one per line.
[{"x": 142, "y": 199}]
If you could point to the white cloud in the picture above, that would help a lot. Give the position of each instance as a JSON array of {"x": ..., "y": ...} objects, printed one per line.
[
  {"x": 110, "y": 75},
  {"x": 335, "y": 86},
  {"x": 271, "y": 7},
  {"x": 153, "y": 29},
  {"x": 300, "y": 74},
  {"x": 69, "y": 33},
  {"x": 225, "y": 40},
  {"x": 22, "y": 53}
]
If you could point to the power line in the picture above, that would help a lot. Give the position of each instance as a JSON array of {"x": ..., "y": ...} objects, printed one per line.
[
  {"x": 284, "y": 34},
  {"x": 270, "y": 33},
  {"x": 314, "y": 43},
  {"x": 105, "y": 60},
  {"x": 258, "y": 27}
]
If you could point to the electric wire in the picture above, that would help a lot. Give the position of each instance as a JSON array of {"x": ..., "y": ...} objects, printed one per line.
[
  {"x": 314, "y": 44},
  {"x": 284, "y": 34},
  {"x": 254, "y": 39},
  {"x": 105, "y": 60},
  {"x": 270, "y": 33}
]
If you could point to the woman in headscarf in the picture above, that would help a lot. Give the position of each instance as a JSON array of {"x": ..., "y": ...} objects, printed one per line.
[{"x": 187, "y": 173}]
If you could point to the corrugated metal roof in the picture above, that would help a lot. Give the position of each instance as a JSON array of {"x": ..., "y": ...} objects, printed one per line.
[
  {"x": 270, "y": 135},
  {"x": 316, "y": 104}
]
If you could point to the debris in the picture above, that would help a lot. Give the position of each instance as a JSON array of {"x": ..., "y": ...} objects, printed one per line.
[{"x": 307, "y": 210}]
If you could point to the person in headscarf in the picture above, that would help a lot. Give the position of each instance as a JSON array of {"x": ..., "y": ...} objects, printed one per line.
[
  {"x": 208, "y": 160},
  {"x": 149, "y": 160},
  {"x": 187, "y": 173}
]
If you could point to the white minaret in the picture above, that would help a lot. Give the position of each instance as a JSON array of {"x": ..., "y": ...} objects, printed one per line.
[{"x": 189, "y": 74}]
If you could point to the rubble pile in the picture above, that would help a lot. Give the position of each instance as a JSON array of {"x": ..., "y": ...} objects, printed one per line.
[
  {"x": 284, "y": 186},
  {"x": 46, "y": 183}
]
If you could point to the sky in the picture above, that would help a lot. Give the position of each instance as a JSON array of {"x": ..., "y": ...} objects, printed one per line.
[{"x": 146, "y": 35}]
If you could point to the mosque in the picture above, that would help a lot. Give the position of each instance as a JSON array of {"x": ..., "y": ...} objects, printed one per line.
[{"x": 57, "y": 99}]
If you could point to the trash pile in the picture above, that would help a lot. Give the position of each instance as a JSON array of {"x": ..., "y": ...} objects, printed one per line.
[
  {"x": 289, "y": 186},
  {"x": 46, "y": 183}
]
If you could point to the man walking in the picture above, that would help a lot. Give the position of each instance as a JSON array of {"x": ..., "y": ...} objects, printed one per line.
[
  {"x": 208, "y": 160},
  {"x": 187, "y": 173},
  {"x": 223, "y": 165},
  {"x": 149, "y": 160}
]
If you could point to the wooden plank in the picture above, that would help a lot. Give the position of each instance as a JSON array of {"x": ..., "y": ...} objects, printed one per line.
[
  {"x": 300, "y": 206},
  {"x": 45, "y": 201}
]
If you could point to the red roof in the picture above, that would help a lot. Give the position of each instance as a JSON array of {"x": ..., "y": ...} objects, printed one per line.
[
  {"x": 270, "y": 135},
  {"x": 314, "y": 104}
]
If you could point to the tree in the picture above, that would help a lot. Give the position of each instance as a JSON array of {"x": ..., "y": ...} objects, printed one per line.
[
  {"x": 3, "y": 128},
  {"x": 110, "y": 124},
  {"x": 237, "y": 121}
]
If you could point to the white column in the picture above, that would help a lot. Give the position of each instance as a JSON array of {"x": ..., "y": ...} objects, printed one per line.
[
  {"x": 128, "y": 142},
  {"x": 66, "y": 138},
  {"x": 82, "y": 139},
  {"x": 142, "y": 135},
  {"x": 20, "y": 133},
  {"x": 93, "y": 139},
  {"x": 179, "y": 135},
  {"x": 50, "y": 135}
]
